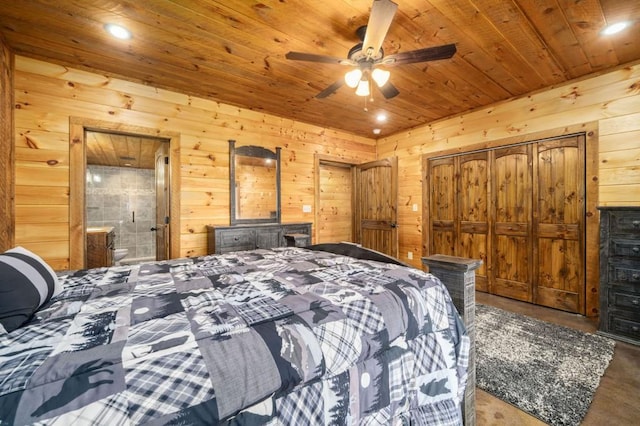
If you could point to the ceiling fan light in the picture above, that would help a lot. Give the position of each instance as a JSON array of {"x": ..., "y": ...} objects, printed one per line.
[
  {"x": 352, "y": 78},
  {"x": 380, "y": 76},
  {"x": 363, "y": 88}
]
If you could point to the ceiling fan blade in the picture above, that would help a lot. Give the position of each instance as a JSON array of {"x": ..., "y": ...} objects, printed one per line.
[
  {"x": 310, "y": 57},
  {"x": 331, "y": 89},
  {"x": 388, "y": 90},
  {"x": 382, "y": 13},
  {"x": 421, "y": 55}
]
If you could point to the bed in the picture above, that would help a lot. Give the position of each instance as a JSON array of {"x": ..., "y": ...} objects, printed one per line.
[{"x": 282, "y": 336}]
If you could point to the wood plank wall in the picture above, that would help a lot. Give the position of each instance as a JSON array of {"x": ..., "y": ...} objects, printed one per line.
[
  {"x": 6, "y": 147},
  {"x": 612, "y": 100},
  {"x": 47, "y": 95}
]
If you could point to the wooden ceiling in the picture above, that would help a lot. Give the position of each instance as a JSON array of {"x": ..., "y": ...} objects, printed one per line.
[
  {"x": 233, "y": 51},
  {"x": 117, "y": 150}
]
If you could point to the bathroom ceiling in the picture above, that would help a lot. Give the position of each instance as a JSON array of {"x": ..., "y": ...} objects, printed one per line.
[{"x": 117, "y": 150}]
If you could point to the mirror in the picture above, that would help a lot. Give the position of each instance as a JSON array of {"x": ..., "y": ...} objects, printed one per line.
[{"x": 254, "y": 176}]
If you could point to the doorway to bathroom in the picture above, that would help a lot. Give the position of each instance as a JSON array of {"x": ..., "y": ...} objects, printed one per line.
[
  {"x": 127, "y": 191},
  {"x": 79, "y": 127}
]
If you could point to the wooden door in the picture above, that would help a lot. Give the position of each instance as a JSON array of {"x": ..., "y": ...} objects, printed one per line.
[
  {"x": 472, "y": 224},
  {"x": 512, "y": 245},
  {"x": 335, "y": 203},
  {"x": 559, "y": 221},
  {"x": 162, "y": 202},
  {"x": 377, "y": 205},
  {"x": 441, "y": 181}
]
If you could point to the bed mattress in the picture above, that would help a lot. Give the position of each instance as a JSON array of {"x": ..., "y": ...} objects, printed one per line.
[{"x": 282, "y": 336}]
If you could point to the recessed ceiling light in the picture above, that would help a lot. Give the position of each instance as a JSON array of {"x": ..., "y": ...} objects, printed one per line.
[
  {"x": 615, "y": 28},
  {"x": 376, "y": 131},
  {"x": 381, "y": 117},
  {"x": 118, "y": 31}
]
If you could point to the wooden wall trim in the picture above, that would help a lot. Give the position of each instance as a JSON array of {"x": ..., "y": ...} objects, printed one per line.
[
  {"x": 77, "y": 173},
  {"x": 7, "y": 150},
  {"x": 592, "y": 222}
]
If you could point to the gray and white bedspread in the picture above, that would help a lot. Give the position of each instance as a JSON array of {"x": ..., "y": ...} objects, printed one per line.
[{"x": 283, "y": 336}]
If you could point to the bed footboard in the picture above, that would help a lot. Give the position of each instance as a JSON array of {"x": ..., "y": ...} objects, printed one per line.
[{"x": 459, "y": 276}]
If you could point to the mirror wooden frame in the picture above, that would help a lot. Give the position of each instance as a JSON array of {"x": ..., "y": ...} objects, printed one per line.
[{"x": 257, "y": 152}]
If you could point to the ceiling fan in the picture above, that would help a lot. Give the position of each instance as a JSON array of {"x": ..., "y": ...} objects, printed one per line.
[{"x": 366, "y": 57}]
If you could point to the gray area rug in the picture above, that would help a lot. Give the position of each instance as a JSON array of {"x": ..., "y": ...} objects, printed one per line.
[{"x": 549, "y": 371}]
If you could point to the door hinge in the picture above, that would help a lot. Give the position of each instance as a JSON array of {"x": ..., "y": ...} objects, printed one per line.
[
  {"x": 166, "y": 160},
  {"x": 166, "y": 220}
]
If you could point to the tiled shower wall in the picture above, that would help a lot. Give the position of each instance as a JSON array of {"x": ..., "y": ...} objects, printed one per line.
[{"x": 124, "y": 198}]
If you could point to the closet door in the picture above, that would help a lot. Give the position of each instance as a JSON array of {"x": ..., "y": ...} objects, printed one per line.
[
  {"x": 472, "y": 222},
  {"x": 559, "y": 223},
  {"x": 521, "y": 209},
  {"x": 441, "y": 181},
  {"x": 512, "y": 243}
]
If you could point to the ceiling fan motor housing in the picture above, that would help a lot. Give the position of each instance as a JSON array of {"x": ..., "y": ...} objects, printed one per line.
[
  {"x": 357, "y": 55},
  {"x": 366, "y": 60}
]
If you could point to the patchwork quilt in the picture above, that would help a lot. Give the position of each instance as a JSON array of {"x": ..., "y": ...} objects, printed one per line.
[{"x": 278, "y": 337}]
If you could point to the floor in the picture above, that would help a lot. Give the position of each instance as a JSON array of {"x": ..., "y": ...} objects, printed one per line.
[{"x": 617, "y": 399}]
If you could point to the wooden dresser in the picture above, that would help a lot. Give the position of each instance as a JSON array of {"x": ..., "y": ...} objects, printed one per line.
[
  {"x": 100, "y": 246},
  {"x": 620, "y": 273},
  {"x": 224, "y": 239}
]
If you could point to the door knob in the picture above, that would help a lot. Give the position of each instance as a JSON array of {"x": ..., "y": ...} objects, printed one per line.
[{"x": 154, "y": 229}]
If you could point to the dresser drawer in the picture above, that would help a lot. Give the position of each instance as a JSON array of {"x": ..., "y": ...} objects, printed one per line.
[
  {"x": 297, "y": 229},
  {"x": 624, "y": 326},
  {"x": 624, "y": 300},
  {"x": 625, "y": 222},
  {"x": 224, "y": 239},
  {"x": 234, "y": 240},
  {"x": 624, "y": 272},
  {"x": 626, "y": 248}
]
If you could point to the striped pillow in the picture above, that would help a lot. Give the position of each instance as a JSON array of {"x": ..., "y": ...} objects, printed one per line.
[{"x": 26, "y": 283}]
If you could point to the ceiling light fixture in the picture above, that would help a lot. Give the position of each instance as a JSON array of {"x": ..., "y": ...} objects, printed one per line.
[
  {"x": 376, "y": 131},
  {"x": 614, "y": 28},
  {"x": 363, "y": 88},
  {"x": 380, "y": 76},
  {"x": 353, "y": 77},
  {"x": 118, "y": 31},
  {"x": 357, "y": 78},
  {"x": 381, "y": 117}
]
